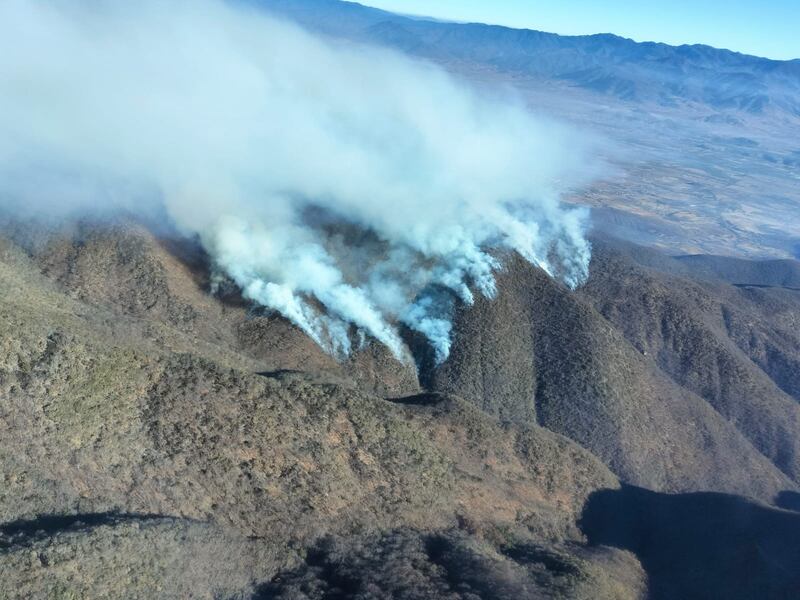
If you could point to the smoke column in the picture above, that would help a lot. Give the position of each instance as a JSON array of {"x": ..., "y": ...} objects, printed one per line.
[{"x": 349, "y": 188}]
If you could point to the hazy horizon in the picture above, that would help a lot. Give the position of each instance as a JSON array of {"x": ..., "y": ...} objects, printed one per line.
[{"x": 764, "y": 29}]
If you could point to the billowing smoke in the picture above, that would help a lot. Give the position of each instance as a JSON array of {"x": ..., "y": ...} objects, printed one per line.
[{"x": 349, "y": 188}]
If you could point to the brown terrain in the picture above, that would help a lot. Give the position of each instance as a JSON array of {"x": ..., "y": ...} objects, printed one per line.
[{"x": 635, "y": 438}]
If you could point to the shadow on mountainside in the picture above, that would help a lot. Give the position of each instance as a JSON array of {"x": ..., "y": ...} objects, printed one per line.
[
  {"x": 700, "y": 545},
  {"x": 24, "y": 530},
  {"x": 788, "y": 500}
]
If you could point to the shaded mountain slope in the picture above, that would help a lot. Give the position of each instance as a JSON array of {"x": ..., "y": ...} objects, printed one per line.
[
  {"x": 738, "y": 271},
  {"x": 725, "y": 547},
  {"x": 575, "y": 373},
  {"x": 694, "y": 332},
  {"x": 728, "y": 269},
  {"x": 758, "y": 312}
]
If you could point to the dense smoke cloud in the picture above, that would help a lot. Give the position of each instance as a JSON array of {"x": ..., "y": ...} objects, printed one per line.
[{"x": 349, "y": 188}]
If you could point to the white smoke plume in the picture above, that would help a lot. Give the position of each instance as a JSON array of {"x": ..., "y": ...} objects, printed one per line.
[{"x": 349, "y": 188}]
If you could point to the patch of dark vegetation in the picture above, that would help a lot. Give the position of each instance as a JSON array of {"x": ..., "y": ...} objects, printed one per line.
[
  {"x": 700, "y": 545},
  {"x": 534, "y": 553},
  {"x": 280, "y": 373},
  {"x": 370, "y": 568},
  {"x": 22, "y": 531},
  {"x": 418, "y": 566}
]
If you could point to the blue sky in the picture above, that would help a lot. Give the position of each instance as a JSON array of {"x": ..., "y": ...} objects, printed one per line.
[{"x": 768, "y": 28}]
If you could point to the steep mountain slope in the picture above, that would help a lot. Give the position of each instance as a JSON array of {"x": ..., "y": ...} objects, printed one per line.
[
  {"x": 757, "y": 311},
  {"x": 109, "y": 408},
  {"x": 694, "y": 332},
  {"x": 146, "y": 428},
  {"x": 127, "y": 268},
  {"x": 575, "y": 373}
]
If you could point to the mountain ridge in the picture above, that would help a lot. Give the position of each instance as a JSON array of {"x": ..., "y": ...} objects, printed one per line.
[
  {"x": 604, "y": 63},
  {"x": 139, "y": 411}
]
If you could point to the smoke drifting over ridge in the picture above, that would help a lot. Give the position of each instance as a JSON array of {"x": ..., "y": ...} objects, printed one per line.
[{"x": 349, "y": 188}]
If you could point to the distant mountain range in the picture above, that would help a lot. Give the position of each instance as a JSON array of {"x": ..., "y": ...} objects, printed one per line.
[{"x": 604, "y": 63}]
